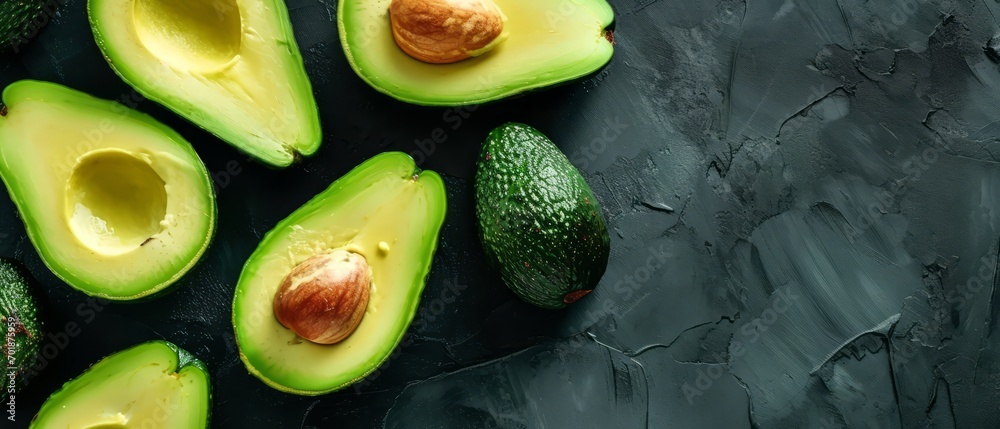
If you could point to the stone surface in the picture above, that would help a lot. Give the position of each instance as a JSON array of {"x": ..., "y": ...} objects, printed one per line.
[{"x": 804, "y": 203}]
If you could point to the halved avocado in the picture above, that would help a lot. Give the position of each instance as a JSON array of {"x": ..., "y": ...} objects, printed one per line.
[
  {"x": 118, "y": 205},
  {"x": 231, "y": 67},
  {"x": 386, "y": 210},
  {"x": 151, "y": 385},
  {"x": 550, "y": 41}
]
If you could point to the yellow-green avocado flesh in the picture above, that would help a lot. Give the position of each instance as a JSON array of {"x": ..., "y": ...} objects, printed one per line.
[
  {"x": 118, "y": 205},
  {"x": 151, "y": 385},
  {"x": 550, "y": 42},
  {"x": 231, "y": 67},
  {"x": 385, "y": 210}
]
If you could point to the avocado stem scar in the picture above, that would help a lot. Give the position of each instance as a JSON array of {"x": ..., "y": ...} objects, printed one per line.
[{"x": 575, "y": 296}]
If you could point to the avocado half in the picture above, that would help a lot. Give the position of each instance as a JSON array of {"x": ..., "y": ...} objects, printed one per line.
[
  {"x": 231, "y": 67},
  {"x": 550, "y": 42},
  {"x": 151, "y": 385},
  {"x": 118, "y": 205},
  {"x": 386, "y": 210}
]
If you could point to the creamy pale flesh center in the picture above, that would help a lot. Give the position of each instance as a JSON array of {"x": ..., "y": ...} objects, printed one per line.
[
  {"x": 194, "y": 35},
  {"x": 108, "y": 426},
  {"x": 115, "y": 201}
]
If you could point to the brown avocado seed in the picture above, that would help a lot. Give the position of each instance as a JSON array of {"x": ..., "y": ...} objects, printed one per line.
[
  {"x": 324, "y": 298},
  {"x": 446, "y": 31}
]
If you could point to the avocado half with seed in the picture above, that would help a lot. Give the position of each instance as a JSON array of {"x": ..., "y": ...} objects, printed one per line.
[
  {"x": 151, "y": 385},
  {"x": 231, "y": 67},
  {"x": 386, "y": 211},
  {"x": 118, "y": 205},
  {"x": 548, "y": 42}
]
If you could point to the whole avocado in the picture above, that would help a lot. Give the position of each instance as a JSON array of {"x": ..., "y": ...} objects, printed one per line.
[
  {"x": 540, "y": 223},
  {"x": 15, "y": 18},
  {"x": 22, "y": 324}
]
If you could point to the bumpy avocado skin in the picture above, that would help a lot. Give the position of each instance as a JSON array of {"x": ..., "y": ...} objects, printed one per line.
[
  {"x": 21, "y": 317},
  {"x": 15, "y": 18},
  {"x": 540, "y": 223}
]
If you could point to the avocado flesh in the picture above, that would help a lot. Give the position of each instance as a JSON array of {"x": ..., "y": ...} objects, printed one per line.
[
  {"x": 384, "y": 200},
  {"x": 118, "y": 205},
  {"x": 231, "y": 67},
  {"x": 539, "y": 221},
  {"x": 17, "y": 301},
  {"x": 154, "y": 384},
  {"x": 550, "y": 41}
]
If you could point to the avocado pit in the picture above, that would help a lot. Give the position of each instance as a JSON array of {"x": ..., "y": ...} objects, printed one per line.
[
  {"x": 446, "y": 31},
  {"x": 324, "y": 298}
]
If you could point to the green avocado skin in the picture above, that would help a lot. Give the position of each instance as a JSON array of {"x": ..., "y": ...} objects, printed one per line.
[
  {"x": 540, "y": 223},
  {"x": 15, "y": 16},
  {"x": 22, "y": 323}
]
